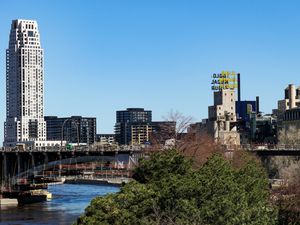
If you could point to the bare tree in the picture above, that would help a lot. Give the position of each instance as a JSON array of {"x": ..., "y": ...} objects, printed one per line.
[
  {"x": 198, "y": 147},
  {"x": 194, "y": 144},
  {"x": 171, "y": 132},
  {"x": 285, "y": 167},
  {"x": 287, "y": 194},
  {"x": 182, "y": 122},
  {"x": 292, "y": 172},
  {"x": 290, "y": 135}
]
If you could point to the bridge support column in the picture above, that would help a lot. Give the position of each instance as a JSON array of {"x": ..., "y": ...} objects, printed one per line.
[
  {"x": 4, "y": 167},
  {"x": 59, "y": 166},
  {"x": 46, "y": 159},
  {"x": 18, "y": 163},
  {"x": 129, "y": 162},
  {"x": 101, "y": 164},
  {"x": 116, "y": 162},
  {"x": 32, "y": 163}
]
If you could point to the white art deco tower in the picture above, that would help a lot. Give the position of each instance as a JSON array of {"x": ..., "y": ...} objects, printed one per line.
[{"x": 24, "y": 85}]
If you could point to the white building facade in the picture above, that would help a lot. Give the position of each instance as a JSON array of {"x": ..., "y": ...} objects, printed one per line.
[{"x": 24, "y": 85}]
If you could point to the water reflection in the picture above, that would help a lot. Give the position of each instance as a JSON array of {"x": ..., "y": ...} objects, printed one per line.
[{"x": 69, "y": 201}]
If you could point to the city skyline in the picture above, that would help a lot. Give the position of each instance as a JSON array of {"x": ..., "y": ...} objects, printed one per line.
[{"x": 161, "y": 63}]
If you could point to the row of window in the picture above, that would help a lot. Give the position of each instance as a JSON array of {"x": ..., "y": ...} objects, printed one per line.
[
  {"x": 293, "y": 115},
  {"x": 29, "y": 26}
]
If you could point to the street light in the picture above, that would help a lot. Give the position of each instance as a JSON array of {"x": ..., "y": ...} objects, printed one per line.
[{"x": 62, "y": 130}]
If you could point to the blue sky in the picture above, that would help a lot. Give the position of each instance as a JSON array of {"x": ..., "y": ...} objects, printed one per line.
[{"x": 106, "y": 55}]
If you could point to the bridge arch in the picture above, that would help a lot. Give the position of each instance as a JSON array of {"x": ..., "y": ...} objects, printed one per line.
[{"x": 131, "y": 161}]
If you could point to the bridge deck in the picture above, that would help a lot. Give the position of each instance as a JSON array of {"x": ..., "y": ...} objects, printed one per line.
[{"x": 76, "y": 149}]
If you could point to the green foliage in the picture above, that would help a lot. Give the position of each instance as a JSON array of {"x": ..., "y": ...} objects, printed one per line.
[
  {"x": 234, "y": 196},
  {"x": 161, "y": 165},
  {"x": 129, "y": 206},
  {"x": 168, "y": 191}
]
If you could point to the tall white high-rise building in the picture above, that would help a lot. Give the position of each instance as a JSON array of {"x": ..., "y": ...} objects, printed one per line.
[{"x": 24, "y": 85}]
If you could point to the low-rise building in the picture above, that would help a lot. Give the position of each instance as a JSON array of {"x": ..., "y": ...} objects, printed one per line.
[
  {"x": 105, "y": 139},
  {"x": 140, "y": 134},
  {"x": 199, "y": 127}
]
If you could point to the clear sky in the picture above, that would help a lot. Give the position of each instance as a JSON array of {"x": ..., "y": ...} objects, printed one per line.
[{"x": 106, "y": 55}]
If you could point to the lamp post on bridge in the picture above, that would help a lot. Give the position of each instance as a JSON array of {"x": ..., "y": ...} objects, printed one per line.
[{"x": 62, "y": 131}]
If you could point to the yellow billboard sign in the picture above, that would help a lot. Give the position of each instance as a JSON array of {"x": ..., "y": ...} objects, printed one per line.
[{"x": 224, "y": 80}]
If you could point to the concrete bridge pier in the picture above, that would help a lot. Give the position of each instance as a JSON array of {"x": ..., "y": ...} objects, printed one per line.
[
  {"x": 60, "y": 165},
  {"x": 46, "y": 160},
  {"x": 32, "y": 162},
  {"x": 18, "y": 163},
  {"x": 3, "y": 167},
  {"x": 8, "y": 167},
  {"x": 129, "y": 165},
  {"x": 116, "y": 159}
]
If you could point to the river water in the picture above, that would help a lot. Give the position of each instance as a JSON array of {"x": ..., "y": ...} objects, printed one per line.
[{"x": 67, "y": 204}]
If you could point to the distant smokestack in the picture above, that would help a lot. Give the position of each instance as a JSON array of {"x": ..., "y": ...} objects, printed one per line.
[
  {"x": 257, "y": 104},
  {"x": 239, "y": 86},
  {"x": 292, "y": 96}
]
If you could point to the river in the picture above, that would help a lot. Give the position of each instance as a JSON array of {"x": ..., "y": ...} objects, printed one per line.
[{"x": 67, "y": 204}]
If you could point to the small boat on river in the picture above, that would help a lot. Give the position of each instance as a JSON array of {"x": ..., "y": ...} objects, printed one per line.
[{"x": 33, "y": 196}]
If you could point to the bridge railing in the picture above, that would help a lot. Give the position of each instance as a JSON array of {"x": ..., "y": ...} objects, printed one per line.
[
  {"x": 271, "y": 147},
  {"x": 84, "y": 148},
  {"x": 127, "y": 148}
]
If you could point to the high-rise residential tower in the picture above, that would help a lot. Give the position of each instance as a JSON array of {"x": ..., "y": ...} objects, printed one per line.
[
  {"x": 133, "y": 126},
  {"x": 24, "y": 85}
]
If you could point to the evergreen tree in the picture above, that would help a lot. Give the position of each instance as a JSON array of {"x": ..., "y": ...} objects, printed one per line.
[{"x": 167, "y": 190}]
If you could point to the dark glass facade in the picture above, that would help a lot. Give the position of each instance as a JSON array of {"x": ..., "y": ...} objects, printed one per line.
[
  {"x": 76, "y": 129},
  {"x": 127, "y": 119}
]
